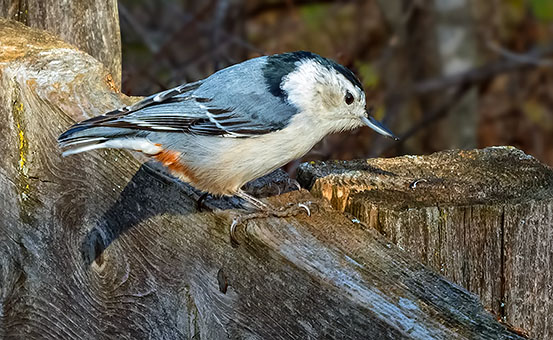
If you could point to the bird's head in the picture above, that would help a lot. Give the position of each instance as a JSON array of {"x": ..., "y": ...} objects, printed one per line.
[{"x": 327, "y": 91}]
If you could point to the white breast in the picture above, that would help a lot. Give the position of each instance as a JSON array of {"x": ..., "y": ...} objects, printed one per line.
[{"x": 223, "y": 165}]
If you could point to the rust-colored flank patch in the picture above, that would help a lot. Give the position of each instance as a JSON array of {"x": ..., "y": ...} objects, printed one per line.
[{"x": 170, "y": 159}]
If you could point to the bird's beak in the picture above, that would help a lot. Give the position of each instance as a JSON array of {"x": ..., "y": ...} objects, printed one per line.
[{"x": 378, "y": 126}]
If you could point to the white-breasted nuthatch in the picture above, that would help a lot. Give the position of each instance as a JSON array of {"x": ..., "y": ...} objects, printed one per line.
[{"x": 237, "y": 125}]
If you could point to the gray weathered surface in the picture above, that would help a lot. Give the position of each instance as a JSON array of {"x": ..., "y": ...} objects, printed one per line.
[
  {"x": 91, "y": 25},
  {"x": 97, "y": 245},
  {"x": 482, "y": 218}
]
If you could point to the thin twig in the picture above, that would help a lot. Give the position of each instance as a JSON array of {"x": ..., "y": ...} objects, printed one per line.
[
  {"x": 528, "y": 58},
  {"x": 440, "y": 112},
  {"x": 463, "y": 82},
  {"x": 479, "y": 74}
]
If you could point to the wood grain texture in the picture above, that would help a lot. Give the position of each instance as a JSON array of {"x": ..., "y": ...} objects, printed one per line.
[
  {"x": 90, "y": 25},
  {"x": 482, "y": 218},
  {"x": 98, "y": 246}
]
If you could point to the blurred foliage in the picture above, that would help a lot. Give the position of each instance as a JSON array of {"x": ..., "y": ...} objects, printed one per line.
[
  {"x": 394, "y": 46},
  {"x": 368, "y": 73},
  {"x": 542, "y": 9}
]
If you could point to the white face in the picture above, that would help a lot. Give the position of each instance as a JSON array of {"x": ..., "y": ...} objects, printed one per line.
[{"x": 326, "y": 95}]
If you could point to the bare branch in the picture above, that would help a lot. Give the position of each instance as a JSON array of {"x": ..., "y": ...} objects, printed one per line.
[{"x": 479, "y": 74}]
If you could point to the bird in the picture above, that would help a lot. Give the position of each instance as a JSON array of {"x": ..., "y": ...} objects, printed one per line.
[{"x": 238, "y": 124}]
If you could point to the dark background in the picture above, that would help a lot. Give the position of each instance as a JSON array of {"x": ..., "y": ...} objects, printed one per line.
[{"x": 441, "y": 74}]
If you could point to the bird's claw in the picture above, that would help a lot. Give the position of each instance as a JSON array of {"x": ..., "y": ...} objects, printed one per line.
[
  {"x": 294, "y": 183},
  {"x": 304, "y": 206},
  {"x": 235, "y": 222},
  {"x": 292, "y": 210}
]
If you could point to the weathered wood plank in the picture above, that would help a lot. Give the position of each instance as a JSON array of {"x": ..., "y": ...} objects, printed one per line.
[
  {"x": 99, "y": 246},
  {"x": 481, "y": 218},
  {"x": 91, "y": 25},
  {"x": 528, "y": 253}
]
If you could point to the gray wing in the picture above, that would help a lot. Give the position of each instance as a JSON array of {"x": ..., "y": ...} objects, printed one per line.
[
  {"x": 232, "y": 102},
  {"x": 240, "y": 101}
]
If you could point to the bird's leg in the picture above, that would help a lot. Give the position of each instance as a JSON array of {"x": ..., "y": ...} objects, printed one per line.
[
  {"x": 200, "y": 201},
  {"x": 254, "y": 201},
  {"x": 264, "y": 210}
]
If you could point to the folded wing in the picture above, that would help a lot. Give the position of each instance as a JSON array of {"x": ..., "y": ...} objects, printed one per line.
[{"x": 231, "y": 103}]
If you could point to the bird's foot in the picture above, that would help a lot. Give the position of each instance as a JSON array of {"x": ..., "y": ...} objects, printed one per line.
[{"x": 291, "y": 209}]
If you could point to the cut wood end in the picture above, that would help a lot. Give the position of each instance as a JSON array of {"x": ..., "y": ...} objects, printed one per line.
[
  {"x": 490, "y": 175},
  {"x": 57, "y": 72},
  {"x": 18, "y": 40}
]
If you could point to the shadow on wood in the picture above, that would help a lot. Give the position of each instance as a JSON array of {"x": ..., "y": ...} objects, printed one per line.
[
  {"x": 97, "y": 246},
  {"x": 134, "y": 205},
  {"x": 152, "y": 181}
]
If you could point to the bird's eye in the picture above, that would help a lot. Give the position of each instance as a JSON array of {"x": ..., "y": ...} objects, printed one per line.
[{"x": 349, "y": 98}]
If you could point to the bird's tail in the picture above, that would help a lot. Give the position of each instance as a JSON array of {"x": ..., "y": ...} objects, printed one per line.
[{"x": 91, "y": 134}]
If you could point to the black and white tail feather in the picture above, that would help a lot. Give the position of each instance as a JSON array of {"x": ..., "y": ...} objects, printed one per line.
[{"x": 123, "y": 129}]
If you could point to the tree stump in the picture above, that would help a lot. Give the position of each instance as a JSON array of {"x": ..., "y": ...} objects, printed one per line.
[
  {"x": 482, "y": 218},
  {"x": 99, "y": 246}
]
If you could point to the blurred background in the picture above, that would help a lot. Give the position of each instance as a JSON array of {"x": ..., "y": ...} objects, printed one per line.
[{"x": 441, "y": 74}]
